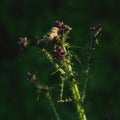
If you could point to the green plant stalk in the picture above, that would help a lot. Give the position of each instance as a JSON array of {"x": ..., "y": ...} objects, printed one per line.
[
  {"x": 48, "y": 55},
  {"x": 76, "y": 94},
  {"x": 76, "y": 97},
  {"x": 68, "y": 72},
  {"x": 52, "y": 104},
  {"x": 62, "y": 88},
  {"x": 74, "y": 86}
]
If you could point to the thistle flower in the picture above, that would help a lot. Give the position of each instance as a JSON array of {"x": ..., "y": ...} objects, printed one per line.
[
  {"x": 62, "y": 27},
  {"x": 23, "y": 42},
  {"x": 30, "y": 76},
  {"x": 58, "y": 53},
  {"x": 59, "y": 50},
  {"x": 96, "y": 29}
]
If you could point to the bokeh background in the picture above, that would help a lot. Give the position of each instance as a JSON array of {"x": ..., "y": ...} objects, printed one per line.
[{"x": 30, "y": 18}]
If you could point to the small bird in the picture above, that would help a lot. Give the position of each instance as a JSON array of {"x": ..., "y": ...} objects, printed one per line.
[
  {"x": 52, "y": 34},
  {"x": 50, "y": 37}
]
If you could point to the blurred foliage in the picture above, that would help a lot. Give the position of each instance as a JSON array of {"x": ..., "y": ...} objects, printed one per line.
[{"x": 30, "y": 18}]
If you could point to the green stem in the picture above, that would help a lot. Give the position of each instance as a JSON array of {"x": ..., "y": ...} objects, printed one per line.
[
  {"x": 62, "y": 88},
  {"x": 74, "y": 87},
  {"x": 52, "y": 104},
  {"x": 75, "y": 92},
  {"x": 76, "y": 97},
  {"x": 68, "y": 71}
]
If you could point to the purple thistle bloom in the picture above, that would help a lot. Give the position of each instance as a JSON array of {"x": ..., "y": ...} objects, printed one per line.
[
  {"x": 62, "y": 27},
  {"x": 62, "y": 30},
  {"x": 29, "y": 76},
  {"x": 62, "y": 57},
  {"x": 60, "y": 48},
  {"x": 59, "y": 54},
  {"x": 96, "y": 28},
  {"x": 57, "y": 22},
  {"x": 23, "y": 42}
]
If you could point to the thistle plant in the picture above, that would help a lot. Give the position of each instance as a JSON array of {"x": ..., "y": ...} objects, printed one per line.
[{"x": 57, "y": 49}]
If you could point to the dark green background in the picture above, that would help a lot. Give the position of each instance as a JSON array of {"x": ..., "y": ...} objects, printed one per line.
[{"x": 35, "y": 17}]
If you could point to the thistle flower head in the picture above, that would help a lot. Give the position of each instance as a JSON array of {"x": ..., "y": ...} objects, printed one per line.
[
  {"x": 96, "y": 29},
  {"x": 60, "y": 48},
  {"x": 30, "y": 76},
  {"x": 62, "y": 27},
  {"x": 58, "y": 53},
  {"x": 23, "y": 42}
]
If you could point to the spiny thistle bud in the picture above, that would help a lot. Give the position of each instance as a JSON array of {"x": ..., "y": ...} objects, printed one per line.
[
  {"x": 58, "y": 53},
  {"x": 62, "y": 27},
  {"x": 96, "y": 29},
  {"x": 23, "y": 42},
  {"x": 60, "y": 48},
  {"x": 31, "y": 77}
]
